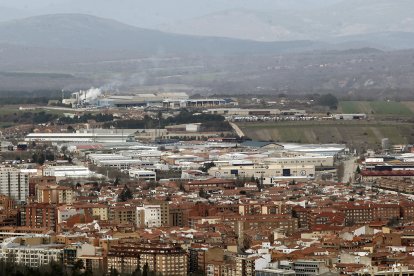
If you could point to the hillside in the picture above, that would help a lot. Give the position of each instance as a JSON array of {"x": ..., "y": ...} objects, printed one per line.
[
  {"x": 359, "y": 135},
  {"x": 346, "y": 20},
  {"x": 75, "y": 31}
]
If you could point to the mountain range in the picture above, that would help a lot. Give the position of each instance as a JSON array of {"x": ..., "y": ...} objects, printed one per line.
[
  {"x": 76, "y": 31},
  {"x": 329, "y": 23},
  {"x": 92, "y": 50},
  {"x": 262, "y": 20}
]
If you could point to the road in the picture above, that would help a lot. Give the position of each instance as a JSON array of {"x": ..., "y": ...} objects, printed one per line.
[
  {"x": 236, "y": 128},
  {"x": 349, "y": 170}
]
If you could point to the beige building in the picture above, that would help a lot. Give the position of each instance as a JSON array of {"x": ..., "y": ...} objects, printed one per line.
[
  {"x": 123, "y": 214},
  {"x": 54, "y": 194},
  {"x": 166, "y": 259}
]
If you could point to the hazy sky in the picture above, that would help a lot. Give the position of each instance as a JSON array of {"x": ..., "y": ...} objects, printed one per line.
[{"x": 148, "y": 13}]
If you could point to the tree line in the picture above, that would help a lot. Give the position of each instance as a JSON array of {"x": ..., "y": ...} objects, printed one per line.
[{"x": 209, "y": 122}]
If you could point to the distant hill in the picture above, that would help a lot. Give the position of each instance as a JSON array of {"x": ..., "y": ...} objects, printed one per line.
[
  {"x": 346, "y": 20},
  {"x": 7, "y": 13},
  {"x": 74, "y": 31}
]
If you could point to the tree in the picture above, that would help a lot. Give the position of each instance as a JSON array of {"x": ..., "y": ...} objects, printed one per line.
[
  {"x": 328, "y": 100},
  {"x": 38, "y": 158},
  {"x": 207, "y": 166},
  {"x": 114, "y": 272},
  {"x": 358, "y": 170},
  {"x": 137, "y": 271},
  {"x": 393, "y": 222},
  {"x": 202, "y": 193},
  {"x": 145, "y": 270},
  {"x": 70, "y": 129},
  {"x": 126, "y": 194}
]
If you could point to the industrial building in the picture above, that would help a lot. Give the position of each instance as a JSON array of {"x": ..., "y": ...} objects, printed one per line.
[
  {"x": 196, "y": 103},
  {"x": 316, "y": 149},
  {"x": 255, "y": 112},
  {"x": 264, "y": 170},
  {"x": 350, "y": 116},
  {"x": 85, "y": 136},
  {"x": 143, "y": 175},
  {"x": 140, "y": 100},
  {"x": 68, "y": 171},
  {"x": 317, "y": 161}
]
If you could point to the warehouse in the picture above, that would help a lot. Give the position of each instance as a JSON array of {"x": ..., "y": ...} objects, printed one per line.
[
  {"x": 263, "y": 170},
  {"x": 88, "y": 136},
  {"x": 68, "y": 171}
]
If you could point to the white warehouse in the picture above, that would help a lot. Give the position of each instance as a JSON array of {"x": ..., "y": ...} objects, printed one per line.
[
  {"x": 68, "y": 171},
  {"x": 86, "y": 136}
]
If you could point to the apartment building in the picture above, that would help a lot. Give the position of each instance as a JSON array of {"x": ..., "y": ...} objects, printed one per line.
[
  {"x": 31, "y": 251},
  {"x": 148, "y": 216},
  {"x": 54, "y": 194},
  {"x": 363, "y": 213},
  {"x": 165, "y": 211},
  {"x": 39, "y": 215},
  {"x": 34, "y": 181},
  {"x": 14, "y": 184},
  {"x": 122, "y": 214},
  {"x": 167, "y": 259}
]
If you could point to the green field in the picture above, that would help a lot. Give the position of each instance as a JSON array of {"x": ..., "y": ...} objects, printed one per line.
[
  {"x": 377, "y": 108},
  {"x": 357, "y": 134}
]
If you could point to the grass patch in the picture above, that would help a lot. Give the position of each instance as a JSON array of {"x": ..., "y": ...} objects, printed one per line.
[
  {"x": 357, "y": 134},
  {"x": 390, "y": 108},
  {"x": 377, "y": 107},
  {"x": 349, "y": 107}
]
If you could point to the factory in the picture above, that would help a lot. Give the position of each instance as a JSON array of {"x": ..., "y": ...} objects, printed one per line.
[
  {"x": 196, "y": 103},
  {"x": 278, "y": 157},
  {"x": 140, "y": 100},
  {"x": 350, "y": 116},
  {"x": 85, "y": 136},
  {"x": 255, "y": 112},
  {"x": 68, "y": 172},
  {"x": 124, "y": 162}
]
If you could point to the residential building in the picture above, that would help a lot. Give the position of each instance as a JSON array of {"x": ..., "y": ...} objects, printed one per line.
[
  {"x": 14, "y": 184},
  {"x": 167, "y": 259}
]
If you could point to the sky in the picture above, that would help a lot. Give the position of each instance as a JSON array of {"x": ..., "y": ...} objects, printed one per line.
[{"x": 145, "y": 13}]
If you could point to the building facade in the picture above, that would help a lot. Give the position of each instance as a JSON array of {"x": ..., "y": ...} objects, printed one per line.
[{"x": 14, "y": 184}]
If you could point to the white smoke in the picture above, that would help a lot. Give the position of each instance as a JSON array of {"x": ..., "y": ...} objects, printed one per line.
[{"x": 91, "y": 94}]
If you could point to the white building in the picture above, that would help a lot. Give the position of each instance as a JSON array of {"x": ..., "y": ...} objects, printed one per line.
[
  {"x": 176, "y": 103},
  {"x": 361, "y": 116},
  {"x": 31, "y": 255},
  {"x": 68, "y": 171},
  {"x": 264, "y": 170},
  {"x": 88, "y": 136},
  {"x": 149, "y": 216},
  {"x": 143, "y": 174},
  {"x": 317, "y": 160},
  {"x": 65, "y": 212},
  {"x": 120, "y": 164},
  {"x": 14, "y": 183}
]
